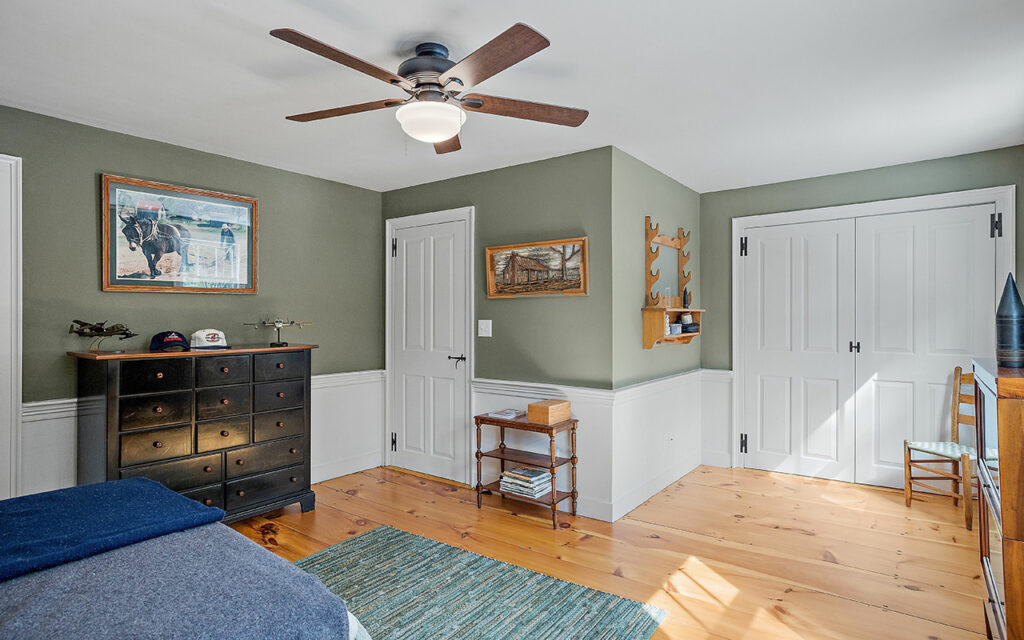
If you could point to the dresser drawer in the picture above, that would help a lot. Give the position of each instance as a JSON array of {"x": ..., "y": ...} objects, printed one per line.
[
  {"x": 212, "y": 371},
  {"x": 266, "y": 486},
  {"x": 151, "y": 376},
  {"x": 263, "y": 457},
  {"x": 182, "y": 474},
  {"x": 278, "y": 395},
  {"x": 212, "y": 496},
  {"x": 138, "y": 412},
  {"x": 221, "y": 434},
  {"x": 158, "y": 444},
  {"x": 278, "y": 424},
  {"x": 279, "y": 365},
  {"x": 218, "y": 402}
]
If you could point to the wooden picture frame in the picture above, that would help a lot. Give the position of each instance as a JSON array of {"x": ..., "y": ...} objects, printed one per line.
[
  {"x": 552, "y": 267},
  {"x": 172, "y": 239}
]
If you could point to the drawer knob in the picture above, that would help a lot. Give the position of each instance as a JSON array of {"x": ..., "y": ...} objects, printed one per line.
[
  {"x": 293, "y": 479},
  {"x": 240, "y": 462},
  {"x": 280, "y": 423},
  {"x": 158, "y": 409},
  {"x": 225, "y": 433},
  {"x": 241, "y": 494},
  {"x": 158, "y": 444},
  {"x": 280, "y": 394},
  {"x": 293, "y": 451},
  {"x": 225, "y": 401},
  {"x": 159, "y": 375},
  {"x": 208, "y": 502},
  {"x": 224, "y": 370},
  {"x": 208, "y": 469},
  {"x": 280, "y": 365}
]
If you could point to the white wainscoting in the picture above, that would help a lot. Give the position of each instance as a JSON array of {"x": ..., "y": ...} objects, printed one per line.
[
  {"x": 717, "y": 447},
  {"x": 632, "y": 442},
  {"x": 347, "y": 421}
]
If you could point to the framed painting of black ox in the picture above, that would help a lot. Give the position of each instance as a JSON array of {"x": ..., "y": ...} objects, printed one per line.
[
  {"x": 167, "y": 238},
  {"x": 534, "y": 268}
]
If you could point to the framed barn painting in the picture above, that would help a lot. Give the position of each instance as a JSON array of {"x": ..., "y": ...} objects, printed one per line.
[
  {"x": 535, "y": 268},
  {"x": 166, "y": 238}
]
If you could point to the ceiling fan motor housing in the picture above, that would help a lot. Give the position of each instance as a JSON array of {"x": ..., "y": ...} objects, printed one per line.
[{"x": 430, "y": 62}]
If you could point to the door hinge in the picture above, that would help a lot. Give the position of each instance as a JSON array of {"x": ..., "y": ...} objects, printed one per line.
[
  {"x": 995, "y": 225},
  {"x": 743, "y": 245},
  {"x": 743, "y": 443},
  {"x": 854, "y": 346},
  {"x": 394, "y": 441},
  {"x": 394, "y": 247}
]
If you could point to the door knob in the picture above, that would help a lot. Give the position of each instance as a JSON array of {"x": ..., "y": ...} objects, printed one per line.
[{"x": 458, "y": 359}]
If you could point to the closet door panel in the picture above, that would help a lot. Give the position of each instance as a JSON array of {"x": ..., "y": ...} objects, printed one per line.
[
  {"x": 924, "y": 305},
  {"x": 797, "y": 378}
]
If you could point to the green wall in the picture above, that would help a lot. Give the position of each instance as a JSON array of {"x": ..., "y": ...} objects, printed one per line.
[
  {"x": 958, "y": 173},
  {"x": 548, "y": 339},
  {"x": 639, "y": 190},
  {"x": 320, "y": 252}
]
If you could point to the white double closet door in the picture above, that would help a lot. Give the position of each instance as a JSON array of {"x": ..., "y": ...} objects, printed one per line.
[{"x": 914, "y": 291}]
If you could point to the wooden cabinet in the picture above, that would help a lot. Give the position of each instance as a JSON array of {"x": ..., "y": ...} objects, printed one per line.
[
  {"x": 999, "y": 410},
  {"x": 229, "y": 428}
]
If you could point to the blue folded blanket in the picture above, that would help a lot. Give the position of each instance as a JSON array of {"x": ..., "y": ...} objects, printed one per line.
[{"x": 46, "y": 529}]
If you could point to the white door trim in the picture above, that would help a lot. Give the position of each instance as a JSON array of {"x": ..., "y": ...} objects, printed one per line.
[
  {"x": 467, "y": 215},
  {"x": 13, "y": 228},
  {"x": 1003, "y": 200}
]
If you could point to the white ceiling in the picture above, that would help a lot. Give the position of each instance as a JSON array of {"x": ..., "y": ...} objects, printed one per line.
[{"x": 717, "y": 94}]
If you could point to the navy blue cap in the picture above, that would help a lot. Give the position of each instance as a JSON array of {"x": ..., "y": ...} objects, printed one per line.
[{"x": 168, "y": 341}]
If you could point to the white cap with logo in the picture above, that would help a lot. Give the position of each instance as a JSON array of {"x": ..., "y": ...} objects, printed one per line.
[{"x": 209, "y": 339}]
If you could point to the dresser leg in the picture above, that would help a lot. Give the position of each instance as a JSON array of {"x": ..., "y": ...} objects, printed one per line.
[
  {"x": 554, "y": 486},
  {"x": 308, "y": 503}
]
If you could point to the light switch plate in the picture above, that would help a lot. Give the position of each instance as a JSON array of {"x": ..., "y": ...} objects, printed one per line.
[{"x": 483, "y": 328}]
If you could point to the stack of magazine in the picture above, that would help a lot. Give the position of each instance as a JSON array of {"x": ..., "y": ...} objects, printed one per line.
[{"x": 527, "y": 482}]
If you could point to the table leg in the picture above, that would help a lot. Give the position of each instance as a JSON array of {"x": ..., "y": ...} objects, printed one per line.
[
  {"x": 479, "y": 469},
  {"x": 572, "y": 440},
  {"x": 554, "y": 486},
  {"x": 501, "y": 446}
]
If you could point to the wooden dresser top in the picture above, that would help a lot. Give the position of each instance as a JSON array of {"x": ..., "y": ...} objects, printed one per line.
[{"x": 140, "y": 353}]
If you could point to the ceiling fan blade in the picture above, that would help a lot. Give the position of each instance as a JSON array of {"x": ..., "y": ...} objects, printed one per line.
[
  {"x": 298, "y": 39},
  {"x": 344, "y": 111},
  {"x": 449, "y": 145},
  {"x": 516, "y": 44},
  {"x": 566, "y": 116}
]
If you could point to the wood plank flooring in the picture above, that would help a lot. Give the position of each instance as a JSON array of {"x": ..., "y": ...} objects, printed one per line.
[{"x": 729, "y": 553}]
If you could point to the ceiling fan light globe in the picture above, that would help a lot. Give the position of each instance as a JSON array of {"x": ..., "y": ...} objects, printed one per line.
[{"x": 431, "y": 121}]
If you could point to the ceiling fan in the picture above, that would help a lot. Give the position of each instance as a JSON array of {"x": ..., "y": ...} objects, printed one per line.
[{"x": 435, "y": 111}]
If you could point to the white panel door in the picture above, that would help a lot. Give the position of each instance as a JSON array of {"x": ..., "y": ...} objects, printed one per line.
[
  {"x": 926, "y": 285},
  {"x": 798, "y": 378},
  {"x": 429, "y": 298}
]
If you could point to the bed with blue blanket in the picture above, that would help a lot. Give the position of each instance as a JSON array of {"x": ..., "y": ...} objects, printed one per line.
[{"x": 132, "y": 559}]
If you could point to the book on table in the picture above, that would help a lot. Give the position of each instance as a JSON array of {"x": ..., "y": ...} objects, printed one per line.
[
  {"x": 528, "y": 474},
  {"x": 536, "y": 494}
]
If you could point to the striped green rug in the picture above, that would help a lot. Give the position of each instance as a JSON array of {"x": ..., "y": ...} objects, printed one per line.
[{"x": 406, "y": 587}]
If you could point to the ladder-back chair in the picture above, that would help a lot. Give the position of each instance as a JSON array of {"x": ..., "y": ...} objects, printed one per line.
[{"x": 954, "y": 453}]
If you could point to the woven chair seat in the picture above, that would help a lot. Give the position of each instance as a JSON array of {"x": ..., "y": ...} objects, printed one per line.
[{"x": 951, "y": 450}]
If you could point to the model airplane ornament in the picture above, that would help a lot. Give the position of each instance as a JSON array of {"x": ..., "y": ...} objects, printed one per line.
[
  {"x": 100, "y": 331},
  {"x": 278, "y": 324}
]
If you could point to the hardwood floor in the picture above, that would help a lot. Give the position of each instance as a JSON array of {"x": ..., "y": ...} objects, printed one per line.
[{"x": 729, "y": 553}]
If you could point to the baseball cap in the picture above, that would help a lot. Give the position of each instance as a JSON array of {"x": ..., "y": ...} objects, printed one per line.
[
  {"x": 209, "y": 339},
  {"x": 168, "y": 341}
]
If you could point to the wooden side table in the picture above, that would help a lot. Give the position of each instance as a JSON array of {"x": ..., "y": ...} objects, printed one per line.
[{"x": 529, "y": 458}]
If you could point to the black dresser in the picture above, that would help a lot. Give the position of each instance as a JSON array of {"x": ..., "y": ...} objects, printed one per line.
[{"x": 229, "y": 428}]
